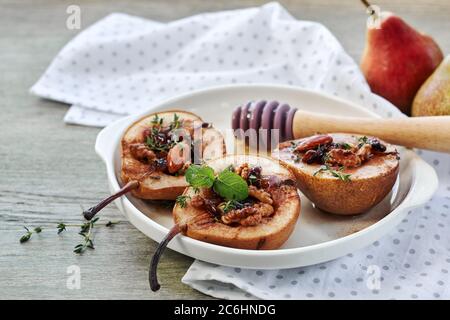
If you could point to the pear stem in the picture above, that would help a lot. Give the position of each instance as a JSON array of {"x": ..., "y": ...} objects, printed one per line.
[
  {"x": 152, "y": 273},
  {"x": 91, "y": 212},
  {"x": 368, "y": 6}
]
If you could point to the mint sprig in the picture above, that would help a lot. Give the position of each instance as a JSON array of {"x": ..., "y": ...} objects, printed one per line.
[
  {"x": 231, "y": 186},
  {"x": 226, "y": 184},
  {"x": 200, "y": 176}
]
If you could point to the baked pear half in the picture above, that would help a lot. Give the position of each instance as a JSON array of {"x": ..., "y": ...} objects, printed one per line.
[
  {"x": 264, "y": 219},
  {"x": 243, "y": 201},
  {"x": 341, "y": 173},
  {"x": 158, "y": 148},
  {"x": 156, "y": 151}
]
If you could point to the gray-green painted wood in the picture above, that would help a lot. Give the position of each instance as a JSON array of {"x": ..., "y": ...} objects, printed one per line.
[{"x": 48, "y": 169}]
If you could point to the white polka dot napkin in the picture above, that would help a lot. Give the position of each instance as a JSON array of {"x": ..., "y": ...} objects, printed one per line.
[
  {"x": 411, "y": 262},
  {"x": 123, "y": 65}
]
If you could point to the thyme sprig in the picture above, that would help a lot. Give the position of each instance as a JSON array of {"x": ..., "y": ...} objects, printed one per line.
[
  {"x": 176, "y": 123},
  {"x": 157, "y": 120},
  {"x": 335, "y": 173},
  {"x": 160, "y": 139},
  {"x": 61, "y": 227},
  {"x": 252, "y": 179},
  {"x": 85, "y": 232},
  {"x": 230, "y": 205},
  {"x": 345, "y": 146},
  {"x": 182, "y": 201},
  {"x": 111, "y": 223},
  {"x": 27, "y": 236},
  {"x": 156, "y": 141},
  {"x": 362, "y": 141}
]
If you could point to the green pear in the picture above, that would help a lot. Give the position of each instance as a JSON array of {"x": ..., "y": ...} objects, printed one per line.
[{"x": 433, "y": 97}]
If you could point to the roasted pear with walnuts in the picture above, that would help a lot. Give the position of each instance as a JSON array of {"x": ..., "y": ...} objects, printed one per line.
[
  {"x": 156, "y": 152},
  {"x": 341, "y": 173},
  {"x": 158, "y": 149},
  {"x": 245, "y": 202}
]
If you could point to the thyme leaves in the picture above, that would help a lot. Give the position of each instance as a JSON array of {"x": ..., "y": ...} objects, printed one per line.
[{"x": 335, "y": 173}]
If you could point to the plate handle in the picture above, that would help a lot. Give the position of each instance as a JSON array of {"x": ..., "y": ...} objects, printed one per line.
[
  {"x": 425, "y": 183},
  {"x": 106, "y": 139}
]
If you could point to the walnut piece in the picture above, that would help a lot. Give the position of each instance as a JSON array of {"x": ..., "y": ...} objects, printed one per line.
[
  {"x": 178, "y": 157},
  {"x": 206, "y": 199},
  {"x": 365, "y": 152},
  {"x": 345, "y": 158},
  {"x": 349, "y": 158},
  {"x": 260, "y": 194},
  {"x": 243, "y": 170},
  {"x": 141, "y": 152},
  {"x": 197, "y": 201},
  {"x": 248, "y": 216}
]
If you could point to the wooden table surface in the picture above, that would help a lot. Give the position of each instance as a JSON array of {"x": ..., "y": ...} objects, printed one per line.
[{"x": 49, "y": 169}]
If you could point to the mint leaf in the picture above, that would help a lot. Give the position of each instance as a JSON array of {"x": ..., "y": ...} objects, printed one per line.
[
  {"x": 200, "y": 176},
  {"x": 231, "y": 186},
  {"x": 227, "y": 184}
]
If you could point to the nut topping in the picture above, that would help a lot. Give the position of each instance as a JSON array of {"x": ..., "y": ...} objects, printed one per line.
[
  {"x": 178, "y": 157},
  {"x": 197, "y": 201},
  {"x": 365, "y": 152},
  {"x": 321, "y": 149},
  {"x": 252, "y": 220},
  {"x": 256, "y": 208},
  {"x": 166, "y": 145},
  {"x": 313, "y": 143},
  {"x": 243, "y": 170},
  {"x": 141, "y": 152},
  {"x": 344, "y": 158},
  {"x": 248, "y": 216},
  {"x": 260, "y": 194},
  {"x": 349, "y": 158}
]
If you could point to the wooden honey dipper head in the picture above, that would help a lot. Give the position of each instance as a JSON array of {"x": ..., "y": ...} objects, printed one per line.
[
  {"x": 266, "y": 115},
  {"x": 432, "y": 133}
]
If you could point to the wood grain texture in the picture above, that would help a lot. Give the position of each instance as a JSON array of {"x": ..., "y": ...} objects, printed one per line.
[
  {"x": 431, "y": 133},
  {"x": 48, "y": 169}
]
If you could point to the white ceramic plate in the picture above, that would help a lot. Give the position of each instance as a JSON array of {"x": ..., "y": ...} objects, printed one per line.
[{"x": 318, "y": 236}]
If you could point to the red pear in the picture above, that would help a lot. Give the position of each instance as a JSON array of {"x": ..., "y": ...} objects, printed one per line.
[{"x": 397, "y": 59}]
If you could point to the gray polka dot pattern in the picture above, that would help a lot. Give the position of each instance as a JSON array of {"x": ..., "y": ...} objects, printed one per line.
[
  {"x": 122, "y": 64},
  {"x": 394, "y": 267},
  {"x": 409, "y": 263},
  {"x": 413, "y": 264}
]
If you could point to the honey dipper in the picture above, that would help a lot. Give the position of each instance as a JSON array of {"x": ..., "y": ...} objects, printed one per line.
[{"x": 432, "y": 133}]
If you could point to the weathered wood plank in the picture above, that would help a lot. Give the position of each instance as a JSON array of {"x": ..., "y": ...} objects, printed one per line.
[{"x": 48, "y": 169}]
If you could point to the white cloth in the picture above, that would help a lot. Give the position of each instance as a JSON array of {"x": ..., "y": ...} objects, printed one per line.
[
  {"x": 123, "y": 65},
  {"x": 411, "y": 262}
]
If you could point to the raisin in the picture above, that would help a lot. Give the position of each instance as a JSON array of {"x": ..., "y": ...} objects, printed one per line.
[
  {"x": 256, "y": 171},
  {"x": 160, "y": 164},
  {"x": 310, "y": 156},
  {"x": 377, "y": 145}
]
